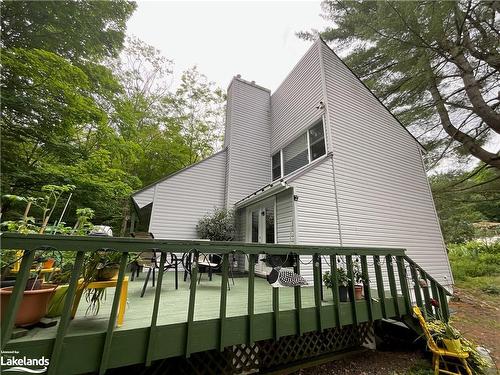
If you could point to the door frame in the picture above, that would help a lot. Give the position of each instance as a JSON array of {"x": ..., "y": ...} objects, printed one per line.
[{"x": 260, "y": 206}]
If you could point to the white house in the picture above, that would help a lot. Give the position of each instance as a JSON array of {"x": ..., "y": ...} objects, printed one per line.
[{"x": 319, "y": 161}]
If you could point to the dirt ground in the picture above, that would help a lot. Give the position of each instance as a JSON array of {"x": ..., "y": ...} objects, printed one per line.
[
  {"x": 477, "y": 316},
  {"x": 474, "y": 313},
  {"x": 374, "y": 363}
]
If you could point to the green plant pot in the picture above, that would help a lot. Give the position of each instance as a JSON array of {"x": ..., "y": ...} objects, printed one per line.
[
  {"x": 108, "y": 273},
  {"x": 56, "y": 303},
  {"x": 453, "y": 345}
]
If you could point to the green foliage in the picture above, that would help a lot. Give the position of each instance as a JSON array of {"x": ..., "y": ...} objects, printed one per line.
[
  {"x": 217, "y": 226},
  {"x": 474, "y": 259},
  {"x": 434, "y": 64},
  {"x": 342, "y": 278}
]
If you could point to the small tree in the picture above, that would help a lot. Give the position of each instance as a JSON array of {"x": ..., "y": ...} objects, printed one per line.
[{"x": 217, "y": 226}]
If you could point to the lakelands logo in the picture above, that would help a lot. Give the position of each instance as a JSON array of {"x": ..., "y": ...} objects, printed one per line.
[{"x": 11, "y": 362}]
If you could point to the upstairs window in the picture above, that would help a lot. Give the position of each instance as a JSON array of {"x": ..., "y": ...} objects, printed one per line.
[
  {"x": 277, "y": 166},
  {"x": 295, "y": 155},
  {"x": 301, "y": 151},
  {"x": 317, "y": 141}
]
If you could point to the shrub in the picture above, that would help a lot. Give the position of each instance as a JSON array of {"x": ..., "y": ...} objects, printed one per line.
[
  {"x": 217, "y": 226},
  {"x": 474, "y": 259}
]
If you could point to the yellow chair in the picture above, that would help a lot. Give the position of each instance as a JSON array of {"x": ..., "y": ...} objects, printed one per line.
[
  {"x": 16, "y": 267},
  {"x": 439, "y": 362}
]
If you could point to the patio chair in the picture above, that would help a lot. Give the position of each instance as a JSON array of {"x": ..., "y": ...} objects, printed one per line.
[
  {"x": 443, "y": 361},
  {"x": 207, "y": 263},
  {"x": 150, "y": 260}
]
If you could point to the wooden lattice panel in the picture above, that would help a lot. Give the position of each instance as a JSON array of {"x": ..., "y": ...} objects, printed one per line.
[{"x": 262, "y": 355}]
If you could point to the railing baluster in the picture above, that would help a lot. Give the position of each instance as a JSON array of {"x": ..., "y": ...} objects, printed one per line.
[
  {"x": 416, "y": 286},
  {"x": 251, "y": 297},
  {"x": 17, "y": 295},
  {"x": 380, "y": 284},
  {"x": 112, "y": 317},
  {"x": 403, "y": 282},
  {"x": 435, "y": 295},
  {"x": 317, "y": 290},
  {"x": 276, "y": 311},
  {"x": 66, "y": 313},
  {"x": 366, "y": 285},
  {"x": 223, "y": 299},
  {"x": 352, "y": 293},
  {"x": 427, "y": 297},
  {"x": 444, "y": 304},
  {"x": 154, "y": 317},
  {"x": 392, "y": 283},
  {"x": 335, "y": 289},
  {"x": 192, "y": 296},
  {"x": 297, "y": 293}
]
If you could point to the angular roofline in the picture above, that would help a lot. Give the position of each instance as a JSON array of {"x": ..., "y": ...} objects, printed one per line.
[
  {"x": 178, "y": 172},
  {"x": 253, "y": 84},
  {"x": 371, "y": 92}
]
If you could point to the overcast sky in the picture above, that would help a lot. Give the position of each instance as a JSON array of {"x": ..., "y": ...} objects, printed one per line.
[{"x": 254, "y": 39}]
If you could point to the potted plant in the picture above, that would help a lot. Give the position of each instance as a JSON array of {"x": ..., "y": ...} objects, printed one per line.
[
  {"x": 61, "y": 279},
  {"x": 359, "y": 279},
  {"x": 34, "y": 303},
  {"x": 342, "y": 282}
]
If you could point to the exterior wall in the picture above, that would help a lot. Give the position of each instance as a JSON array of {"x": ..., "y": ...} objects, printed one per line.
[
  {"x": 145, "y": 197},
  {"x": 285, "y": 218},
  {"x": 182, "y": 199},
  {"x": 247, "y": 140},
  {"x": 383, "y": 195},
  {"x": 293, "y": 104},
  {"x": 315, "y": 211}
]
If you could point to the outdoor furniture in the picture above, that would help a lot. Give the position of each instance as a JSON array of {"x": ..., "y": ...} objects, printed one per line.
[
  {"x": 45, "y": 272},
  {"x": 442, "y": 359},
  {"x": 100, "y": 285},
  {"x": 153, "y": 264},
  {"x": 207, "y": 263}
]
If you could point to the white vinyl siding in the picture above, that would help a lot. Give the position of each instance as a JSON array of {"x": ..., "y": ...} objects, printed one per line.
[
  {"x": 181, "y": 200},
  {"x": 144, "y": 197},
  {"x": 293, "y": 104},
  {"x": 382, "y": 190},
  {"x": 285, "y": 217},
  {"x": 248, "y": 140}
]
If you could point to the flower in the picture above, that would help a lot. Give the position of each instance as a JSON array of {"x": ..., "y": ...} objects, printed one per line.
[{"x": 434, "y": 302}]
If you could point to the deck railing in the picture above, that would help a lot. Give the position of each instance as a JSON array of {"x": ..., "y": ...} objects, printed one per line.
[{"x": 379, "y": 301}]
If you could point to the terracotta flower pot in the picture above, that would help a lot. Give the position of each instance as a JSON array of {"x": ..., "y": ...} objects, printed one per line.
[
  {"x": 49, "y": 263},
  {"x": 33, "y": 305},
  {"x": 358, "y": 291},
  {"x": 109, "y": 272}
]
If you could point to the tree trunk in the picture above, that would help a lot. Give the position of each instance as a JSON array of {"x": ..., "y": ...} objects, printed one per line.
[
  {"x": 467, "y": 141},
  {"x": 472, "y": 89}
]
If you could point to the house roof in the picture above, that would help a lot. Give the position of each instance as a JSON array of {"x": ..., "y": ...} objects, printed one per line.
[
  {"x": 371, "y": 92},
  {"x": 176, "y": 173},
  {"x": 278, "y": 186}
]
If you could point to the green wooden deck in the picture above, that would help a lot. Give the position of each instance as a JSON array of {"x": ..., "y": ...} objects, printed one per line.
[{"x": 202, "y": 317}]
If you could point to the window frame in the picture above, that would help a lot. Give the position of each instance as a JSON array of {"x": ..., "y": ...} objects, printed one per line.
[{"x": 309, "y": 154}]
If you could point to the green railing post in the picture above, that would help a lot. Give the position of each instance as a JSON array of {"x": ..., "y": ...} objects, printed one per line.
[
  {"x": 112, "y": 316},
  {"x": 156, "y": 306},
  {"x": 223, "y": 300},
  {"x": 66, "y": 313},
  {"x": 251, "y": 297},
  {"x": 366, "y": 285},
  {"x": 435, "y": 295},
  {"x": 297, "y": 294},
  {"x": 392, "y": 283},
  {"x": 404, "y": 283},
  {"x": 191, "y": 305},
  {"x": 444, "y": 304},
  {"x": 17, "y": 295},
  {"x": 380, "y": 285},
  {"x": 416, "y": 287},
  {"x": 335, "y": 289},
  {"x": 352, "y": 293},
  {"x": 276, "y": 312},
  {"x": 317, "y": 290}
]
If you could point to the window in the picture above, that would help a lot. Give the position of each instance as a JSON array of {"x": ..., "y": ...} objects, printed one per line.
[
  {"x": 301, "y": 151},
  {"x": 317, "y": 141},
  {"x": 295, "y": 155},
  {"x": 277, "y": 166}
]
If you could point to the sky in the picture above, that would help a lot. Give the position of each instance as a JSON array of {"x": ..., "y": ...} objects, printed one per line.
[{"x": 252, "y": 38}]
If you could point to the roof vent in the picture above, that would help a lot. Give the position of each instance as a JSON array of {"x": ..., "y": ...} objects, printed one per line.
[
  {"x": 238, "y": 75},
  {"x": 253, "y": 82}
]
